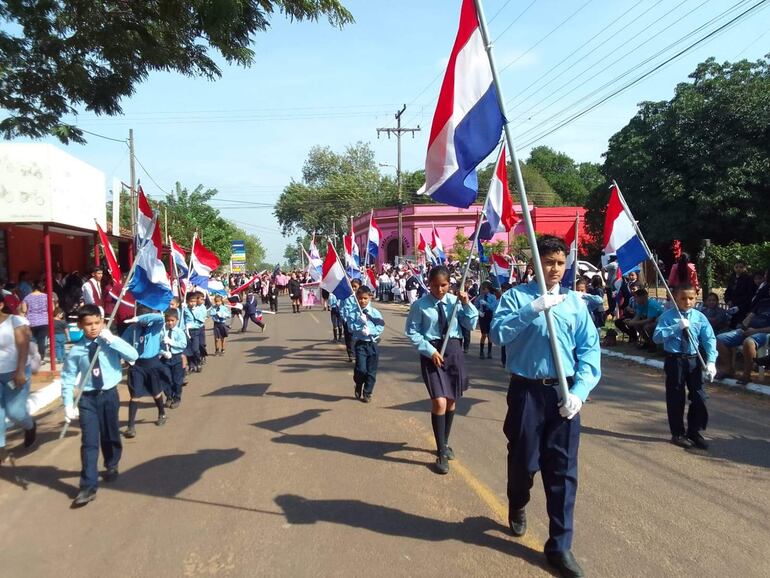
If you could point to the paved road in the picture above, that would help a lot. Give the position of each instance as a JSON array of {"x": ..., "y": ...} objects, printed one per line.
[{"x": 270, "y": 467}]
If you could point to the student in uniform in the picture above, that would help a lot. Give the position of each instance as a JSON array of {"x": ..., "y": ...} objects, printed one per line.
[
  {"x": 201, "y": 312},
  {"x": 174, "y": 343},
  {"x": 680, "y": 336},
  {"x": 366, "y": 330},
  {"x": 349, "y": 311},
  {"x": 251, "y": 312},
  {"x": 444, "y": 376},
  {"x": 219, "y": 313},
  {"x": 99, "y": 403},
  {"x": 336, "y": 317},
  {"x": 486, "y": 303},
  {"x": 148, "y": 376},
  {"x": 543, "y": 431},
  {"x": 192, "y": 323}
]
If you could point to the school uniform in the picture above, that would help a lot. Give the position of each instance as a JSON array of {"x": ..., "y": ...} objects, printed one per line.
[
  {"x": 682, "y": 368},
  {"x": 220, "y": 314},
  {"x": 148, "y": 376},
  {"x": 426, "y": 326},
  {"x": 539, "y": 438},
  {"x": 173, "y": 359},
  {"x": 348, "y": 309},
  {"x": 201, "y": 311},
  {"x": 365, "y": 348},
  {"x": 336, "y": 316},
  {"x": 193, "y": 324},
  {"x": 486, "y": 304},
  {"x": 99, "y": 403},
  {"x": 252, "y": 313}
]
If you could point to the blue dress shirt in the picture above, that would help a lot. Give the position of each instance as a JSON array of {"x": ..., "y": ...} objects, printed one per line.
[
  {"x": 178, "y": 339},
  {"x": 219, "y": 313},
  {"x": 672, "y": 337},
  {"x": 147, "y": 334},
  {"x": 375, "y": 323},
  {"x": 486, "y": 304},
  {"x": 422, "y": 325},
  {"x": 192, "y": 318},
  {"x": 524, "y": 334}
]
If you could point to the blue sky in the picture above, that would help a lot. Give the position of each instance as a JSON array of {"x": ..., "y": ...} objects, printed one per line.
[{"x": 248, "y": 134}]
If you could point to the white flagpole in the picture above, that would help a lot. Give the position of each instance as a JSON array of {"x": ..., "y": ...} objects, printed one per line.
[
  {"x": 575, "y": 249},
  {"x": 366, "y": 262},
  {"x": 563, "y": 387},
  {"x": 347, "y": 278},
  {"x": 189, "y": 269},
  {"x": 657, "y": 270}
]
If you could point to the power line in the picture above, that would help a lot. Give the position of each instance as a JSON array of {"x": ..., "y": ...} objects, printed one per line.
[
  {"x": 150, "y": 176},
  {"x": 121, "y": 140},
  {"x": 515, "y": 20},
  {"x": 496, "y": 14}
]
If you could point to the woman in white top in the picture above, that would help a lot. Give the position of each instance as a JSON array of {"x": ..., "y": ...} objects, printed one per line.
[{"x": 14, "y": 376}]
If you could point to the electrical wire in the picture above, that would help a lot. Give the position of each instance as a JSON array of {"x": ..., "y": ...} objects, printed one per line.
[
  {"x": 149, "y": 176},
  {"x": 515, "y": 20},
  {"x": 125, "y": 141}
]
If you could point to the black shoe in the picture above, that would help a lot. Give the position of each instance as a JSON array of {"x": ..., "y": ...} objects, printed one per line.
[
  {"x": 84, "y": 496},
  {"x": 30, "y": 435},
  {"x": 367, "y": 398},
  {"x": 517, "y": 522},
  {"x": 481, "y": 355},
  {"x": 358, "y": 390},
  {"x": 175, "y": 404},
  {"x": 110, "y": 475},
  {"x": 129, "y": 432},
  {"x": 450, "y": 455},
  {"x": 167, "y": 403},
  {"x": 442, "y": 464},
  {"x": 763, "y": 361},
  {"x": 681, "y": 441},
  {"x": 565, "y": 563},
  {"x": 698, "y": 440},
  {"x": 162, "y": 419}
]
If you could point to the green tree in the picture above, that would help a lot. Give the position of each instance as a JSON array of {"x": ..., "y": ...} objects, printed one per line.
[
  {"x": 561, "y": 172},
  {"x": 539, "y": 192},
  {"x": 58, "y": 56},
  {"x": 698, "y": 166},
  {"x": 460, "y": 249}
]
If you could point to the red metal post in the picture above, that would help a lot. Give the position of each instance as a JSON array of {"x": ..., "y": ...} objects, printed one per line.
[{"x": 49, "y": 292}]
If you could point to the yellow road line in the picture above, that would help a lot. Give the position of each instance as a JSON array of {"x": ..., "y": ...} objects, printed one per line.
[
  {"x": 314, "y": 318},
  {"x": 488, "y": 496}
]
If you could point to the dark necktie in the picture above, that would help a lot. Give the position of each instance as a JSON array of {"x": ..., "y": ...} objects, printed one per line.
[
  {"x": 96, "y": 372},
  {"x": 442, "y": 322}
]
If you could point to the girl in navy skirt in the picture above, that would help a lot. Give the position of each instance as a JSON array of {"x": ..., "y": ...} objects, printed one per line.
[
  {"x": 444, "y": 376},
  {"x": 220, "y": 313}
]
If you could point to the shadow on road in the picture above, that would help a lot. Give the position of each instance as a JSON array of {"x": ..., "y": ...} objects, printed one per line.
[
  {"x": 283, "y": 423},
  {"x": 742, "y": 449},
  {"x": 393, "y": 522},
  {"x": 375, "y": 450},
  {"x": 244, "y": 389},
  {"x": 622, "y": 436},
  {"x": 464, "y": 405},
  {"x": 310, "y": 395}
]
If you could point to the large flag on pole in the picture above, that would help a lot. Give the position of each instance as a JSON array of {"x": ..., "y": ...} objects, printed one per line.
[
  {"x": 498, "y": 209},
  {"x": 312, "y": 269},
  {"x": 468, "y": 121},
  {"x": 620, "y": 237},
  {"x": 333, "y": 279},
  {"x": 109, "y": 255},
  {"x": 423, "y": 247},
  {"x": 501, "y": 269},
  {"x": 144, "y": 219},
  {"x": 180, "y": 260},
  {"x": 352, "y": 256},
  {"x": 203, "y": 261},
  {"x": 570, "y": 271},
  {"x": 315, "y": 256},
  {"x": 150, "y": 285},
  {"x": 373, "y": 240},
  {"x": 437, "y": 246}
]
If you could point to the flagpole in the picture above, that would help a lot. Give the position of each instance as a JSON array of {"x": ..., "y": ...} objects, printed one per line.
[
  {"x": 657, "y": 270},
  {"x": 189, "y": 269},
  {"x": 347, "y": 278},
  {"x": 366, "y": 262},
  {"x": 174, "y": 268},
  {"x": 85, "y": 375},
  {"x": 563, "y": 387},
  {"x": 575, "y": 245}
]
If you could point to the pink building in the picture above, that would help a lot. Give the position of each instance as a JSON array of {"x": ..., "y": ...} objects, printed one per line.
[{"x": 448, "y": 220}]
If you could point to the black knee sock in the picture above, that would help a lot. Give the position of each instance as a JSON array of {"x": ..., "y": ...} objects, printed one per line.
[
  {"x": 439, "y": 431},
  {"x": 133, "y": 407},
  {"x": 489, "y": 348},
  {"x": 481, "y": 348},
  {"x": 159, "y": 404},
  {"x": 448, "y": 416}
]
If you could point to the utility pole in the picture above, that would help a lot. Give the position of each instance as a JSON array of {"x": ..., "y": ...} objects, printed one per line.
[
  {"x": 398, "y": 131},
  {"x": 132, "y": 168}
]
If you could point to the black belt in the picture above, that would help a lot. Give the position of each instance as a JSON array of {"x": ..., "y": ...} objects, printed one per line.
[
  {"x": 681, "y": 355},
  {"x": 437, "y": 343},
  {"x": 95, "y": 392},
  {"x": 549, "y": 381}
]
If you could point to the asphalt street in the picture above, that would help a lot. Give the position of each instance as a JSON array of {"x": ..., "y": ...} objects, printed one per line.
[{"x": 270, "y": 467}]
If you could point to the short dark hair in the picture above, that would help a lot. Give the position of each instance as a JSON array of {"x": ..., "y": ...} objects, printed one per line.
[
  {"x": 95, "y": 269},
  {"x": 550, "y": 244},
  {"x": 486, "y": 285},
  {"x": 363, "y": 290},
  {"x": 740, "y": 262},
  {"x": 355, "y": 281},
  {"x": 88, "y": 311},
  {"x": 190, "y": 296},
  {"x": 641, "y": 292},
  {"x": 173, "y": 313},
  {"x": 684, "y": 287},
  {"x": 581, "y": 281},
  {"x": 440, "y": 271}
]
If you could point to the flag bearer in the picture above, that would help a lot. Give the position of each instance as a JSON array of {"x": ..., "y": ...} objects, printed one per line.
[{"x": 366, "y": 330}]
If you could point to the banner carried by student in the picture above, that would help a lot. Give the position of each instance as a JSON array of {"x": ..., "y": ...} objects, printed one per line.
[{"x": 202, "y": 262}]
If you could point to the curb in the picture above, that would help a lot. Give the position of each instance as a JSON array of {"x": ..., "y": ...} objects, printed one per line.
[
  {"x": 731, "y": 383},
  {"x": 43, "y": 397}
]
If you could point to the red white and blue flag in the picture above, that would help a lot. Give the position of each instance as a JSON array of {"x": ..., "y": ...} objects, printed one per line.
[
  {"x": 370, "y": 280},
  {"x": 333, "y": 278},
  {"x": 374, "y": 238},
  {"x": 423, "y": 247},
  {"x": 109, "y": 255},
  {"x": 571, "y": 269},
  {"x": 352, "y": 255},
  {"x": 144, "y": 222},
  {"x": 437, "y": 246},
  {"x": 202, "y": 262},
  {"x": 620, "y": 236},
  {"x": 315, "y": 256},
  {"x": 150, "y": 285},
  {"x": 498, "y": 210},
  {"x": 180, "y": 260},
  {"x": 468, "y": 121},
  {"x": 501, "y": 269}
]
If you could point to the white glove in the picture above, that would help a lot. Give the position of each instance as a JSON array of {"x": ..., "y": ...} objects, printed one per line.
[
  {"x": 364, "y": 318},
  {"x": 167, "y": 340},
  {"x": 365, "y": 330},
  {"x": 684, "y": 323},
  {"x": 571, "y": 406},
  {"x": 70, "y": 413},
  {"x": 545, "y": 302},
  {"x": 131, "y": 320},
  {"x": 165, "y": 354},
  {"x": 711, "y": 371},
  {"x": 107, "y": 335},
  {"x": 732, "y": 311}
]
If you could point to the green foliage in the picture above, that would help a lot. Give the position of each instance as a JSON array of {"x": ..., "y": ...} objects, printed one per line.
[
  {"x": 125, "y": 211},
  {"x": 539, "y": 192},
  {"x": 58, "y": 56},
  {"x": 722, "y": 258},
  {"x": 460, "y": 250},
  {"x": 698, "y": 166},
  {"x": 571, "y": 181}
]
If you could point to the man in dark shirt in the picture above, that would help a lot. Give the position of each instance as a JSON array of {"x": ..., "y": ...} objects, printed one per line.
[{"x": 740, "y": 290}]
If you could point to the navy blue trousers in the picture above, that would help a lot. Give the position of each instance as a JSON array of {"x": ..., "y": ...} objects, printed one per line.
[
  {"x": 540, "y": 439},
  {"x": 193, "y": 347},
  {"x": 177, "y": 375},
  {"x": 684, "y": 372},
  {"x": 99, "y": 426},
  {"x": 365, "y": 372}
]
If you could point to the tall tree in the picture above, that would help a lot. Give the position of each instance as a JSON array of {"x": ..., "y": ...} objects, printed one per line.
[
  {"x": 60, "y": 55},
  {"x": 561, "y": 172},
  {"x": 539, "y": 191}
]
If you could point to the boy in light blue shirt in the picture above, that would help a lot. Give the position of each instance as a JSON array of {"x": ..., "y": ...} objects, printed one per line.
[
  {"x": 174, "y": 344},
  {"x": 99, "y": 403},
  {"x": 366, "y": 329}
]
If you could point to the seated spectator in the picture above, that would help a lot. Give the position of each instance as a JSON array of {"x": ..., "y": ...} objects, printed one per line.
[
  {"x": 645, "y": 316},
  {"x": 597, "y": 289},
  {"x": 740, "y": 290},
  {"x": 751, "y": 335},
  {"x": 717, "y": 316}
]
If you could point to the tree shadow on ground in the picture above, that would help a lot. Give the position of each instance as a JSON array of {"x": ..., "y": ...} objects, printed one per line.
[
  {"x": 242, "y": 389},
  {"x": 326, "y": 397},
  {"x": 371, "y": 449},
  {"x": 267, "y": 354},
  {"x": 741, "y": 449},
  {"x": 622, "y": 436},
  {"x": 393, "y": 522},
  {"x": 287, "y": 422},
  {"x": 464, "y": 405}
]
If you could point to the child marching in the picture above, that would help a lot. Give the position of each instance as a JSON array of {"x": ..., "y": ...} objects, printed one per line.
[
  {"x": 219, "y": 313},
  {"x": 366, "y": 330},
  {"x": 174, "y": 344}
]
